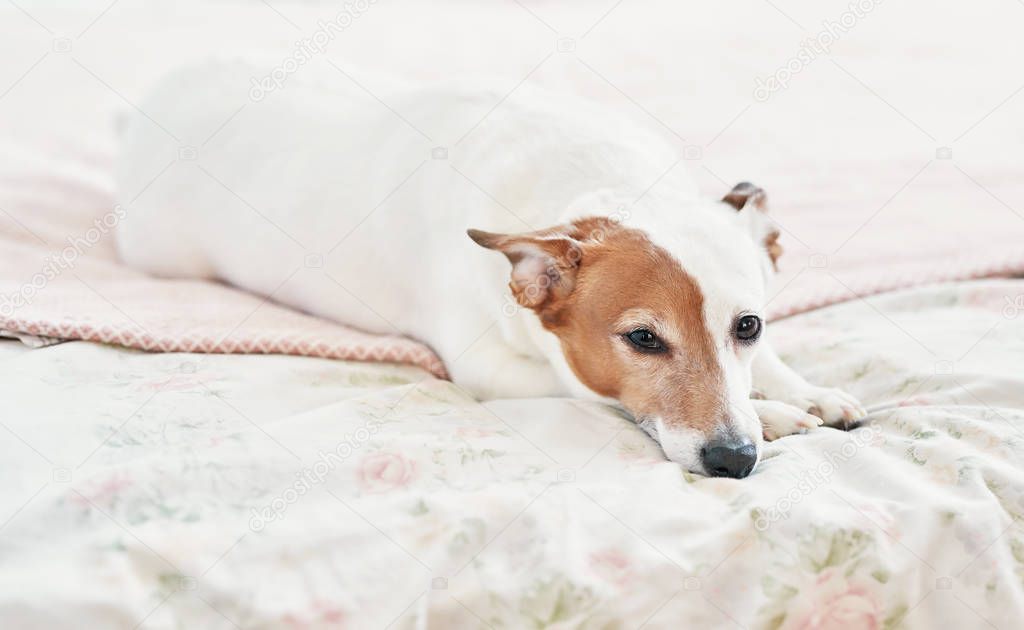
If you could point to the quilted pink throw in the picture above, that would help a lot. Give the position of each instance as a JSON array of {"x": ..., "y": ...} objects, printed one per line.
[
  {"x": 57, "y": 288},
  {"x": 60, "y": 278}
]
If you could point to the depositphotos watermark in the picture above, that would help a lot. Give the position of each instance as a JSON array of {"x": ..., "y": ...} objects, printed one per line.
[
  {"x": 56, "y": 264},
  {"x": 812, "y": 48},
  {"x": 816, "y": 477},
  {"x": 308, "y": 478},
  {"x": 1014, "y": 306},
  {"x": 308, "y": 48}
]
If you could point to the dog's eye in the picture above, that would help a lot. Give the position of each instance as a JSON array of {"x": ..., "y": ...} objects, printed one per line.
[
  {"x": 748, "y": 328},
  {"x": 645, "y": 340}
]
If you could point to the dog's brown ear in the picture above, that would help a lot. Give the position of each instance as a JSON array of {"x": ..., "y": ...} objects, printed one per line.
[
  {"x": 771, "y": 243},
  {"x": 544, "y": 264},
  {"x": 745, "y": 193}
]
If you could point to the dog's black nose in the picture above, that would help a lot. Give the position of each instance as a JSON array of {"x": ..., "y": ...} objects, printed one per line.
[{"x": 728, "y": 458}]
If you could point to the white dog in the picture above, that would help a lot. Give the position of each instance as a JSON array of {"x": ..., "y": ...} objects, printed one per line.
[{"x": 626, "y": 285}]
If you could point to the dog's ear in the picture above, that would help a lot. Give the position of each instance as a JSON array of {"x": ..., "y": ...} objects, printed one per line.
[
  {"x": 544, "y": 264},
  {"x": 771, "y": 243},
  {"x": 744, "y": 193}
]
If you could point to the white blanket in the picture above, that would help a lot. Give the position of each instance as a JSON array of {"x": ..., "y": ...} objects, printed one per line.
[
  {"x": 198, "y": 491},
  {"x": 178, "y": 490}
]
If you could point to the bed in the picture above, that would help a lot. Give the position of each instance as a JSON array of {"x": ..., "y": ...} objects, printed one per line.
[
  {"x": 177, "y": 489},
  {"x": 181, "y": 454}
]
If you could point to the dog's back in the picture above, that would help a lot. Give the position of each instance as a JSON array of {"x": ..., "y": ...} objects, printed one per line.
[{"x": 354, "y": 205}]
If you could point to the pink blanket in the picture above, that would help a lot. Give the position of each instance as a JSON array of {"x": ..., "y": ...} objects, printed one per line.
[
  {"x": 864, "y": 207},
  {"x": 59, "y": 277},
  {"x": 852, "y": 154}
]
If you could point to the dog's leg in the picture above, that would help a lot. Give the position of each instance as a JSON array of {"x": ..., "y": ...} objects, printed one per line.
[
  {"x": 778, "y": 383},
  {"x": 779, "y": 419}
]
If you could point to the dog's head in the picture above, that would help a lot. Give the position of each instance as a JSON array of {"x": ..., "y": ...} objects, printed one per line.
[{"x": 667, "y": 324}]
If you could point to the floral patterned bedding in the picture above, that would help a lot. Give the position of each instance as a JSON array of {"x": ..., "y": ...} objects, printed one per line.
[{"x": 207, "y": 491}]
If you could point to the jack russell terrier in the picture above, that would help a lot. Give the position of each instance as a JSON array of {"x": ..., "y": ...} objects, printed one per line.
[{"x": 617, "y": 282}]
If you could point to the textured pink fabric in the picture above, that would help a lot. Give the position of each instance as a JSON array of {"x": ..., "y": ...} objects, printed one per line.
[
  {"x": 95, "y": 298},
  {"x": 809, "y": 288},
  {"x": 916, "y": 224},
  {"x": 841, "y": 240},
  {"x": 878, "y": 182},
  {"x": 100, "y": 300}
]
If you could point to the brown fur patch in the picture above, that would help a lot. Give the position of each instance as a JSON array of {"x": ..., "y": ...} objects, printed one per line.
[
  {"x": 771, "y": 243},
  {"x": 621, "y": 270},
  {"x": 543, "y": 264},
  {"x": 744, "y": 194}
]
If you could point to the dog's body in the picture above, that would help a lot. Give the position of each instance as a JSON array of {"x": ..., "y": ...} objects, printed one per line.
[{"x": 610, "y": 243}]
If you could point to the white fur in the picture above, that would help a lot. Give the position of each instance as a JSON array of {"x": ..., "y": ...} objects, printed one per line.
[{"x": 289, "y": 177}]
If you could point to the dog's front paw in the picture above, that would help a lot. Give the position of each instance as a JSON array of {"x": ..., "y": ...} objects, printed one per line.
[
  {"x": 834, "y": 406},
  {"x": 779, "y": 419}
]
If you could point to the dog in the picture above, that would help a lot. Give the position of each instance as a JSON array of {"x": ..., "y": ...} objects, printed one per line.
[{"x": 610, "y": 277}]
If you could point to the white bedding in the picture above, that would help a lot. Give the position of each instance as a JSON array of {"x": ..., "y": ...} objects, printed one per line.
[
  {"x": 128, "y": 481},
  {"x": 153, "y": 490}
]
